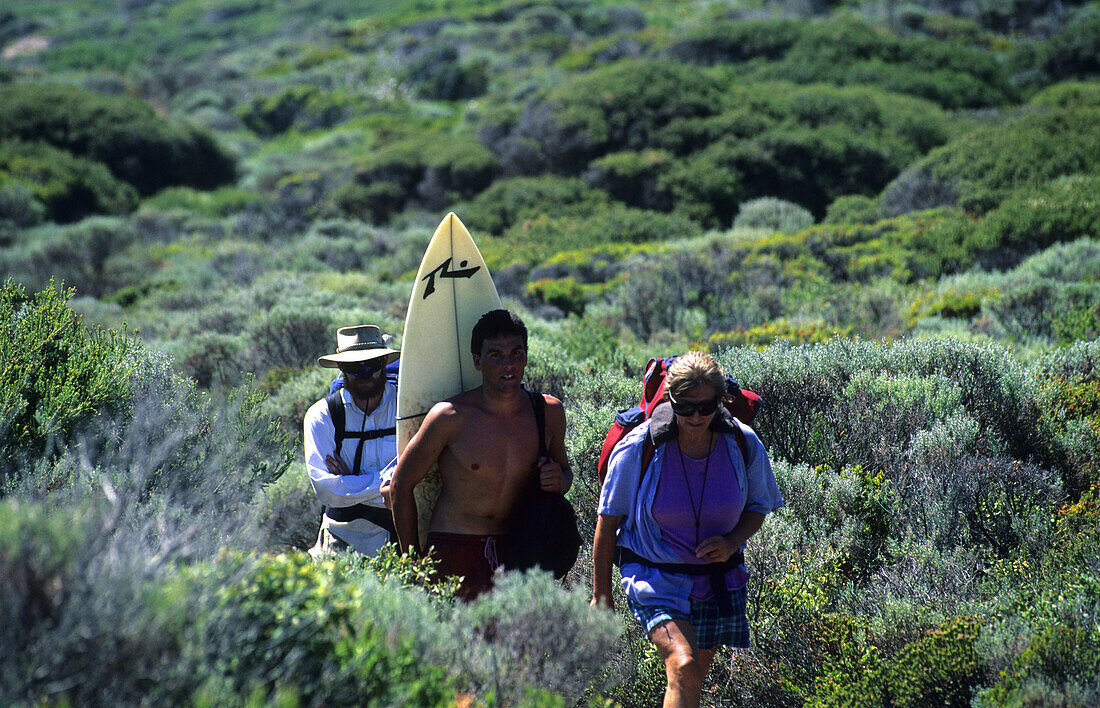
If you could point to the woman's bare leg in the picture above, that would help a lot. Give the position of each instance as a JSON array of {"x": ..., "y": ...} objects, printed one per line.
[{"x": 685, "y": 665}]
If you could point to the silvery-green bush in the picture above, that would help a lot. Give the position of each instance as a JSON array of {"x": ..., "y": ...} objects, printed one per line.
[{"x": 773, "y": 214}]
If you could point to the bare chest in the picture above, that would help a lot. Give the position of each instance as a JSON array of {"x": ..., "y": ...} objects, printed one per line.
[{"x": 493, "y": 448}]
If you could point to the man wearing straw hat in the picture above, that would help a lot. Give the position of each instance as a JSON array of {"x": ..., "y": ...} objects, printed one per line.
[{"x": 349, "y": 439}]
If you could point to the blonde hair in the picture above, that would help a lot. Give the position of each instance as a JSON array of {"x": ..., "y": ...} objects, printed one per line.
[{"x": 692, "y": 370}]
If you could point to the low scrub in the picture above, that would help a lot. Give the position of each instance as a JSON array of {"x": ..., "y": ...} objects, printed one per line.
[
  {"x": 125, "y": 134},
  {"x": 981, "y": 169},
  {"x": 67, "y": 187},
  {"x": 425, "y": 172}
]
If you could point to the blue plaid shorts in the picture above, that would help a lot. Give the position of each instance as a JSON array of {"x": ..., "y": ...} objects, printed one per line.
[{"x": 712, "y": 627}]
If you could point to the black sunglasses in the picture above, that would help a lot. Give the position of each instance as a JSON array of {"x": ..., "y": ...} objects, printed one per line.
[
  {"x": 362, "y": 371},
  {"x": 686, "y": 409}
]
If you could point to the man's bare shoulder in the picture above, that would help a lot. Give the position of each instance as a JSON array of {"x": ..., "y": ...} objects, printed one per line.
[
  {"x": 443, "y": 418},
  {"x": 462, "y": 406},
  {"x": 452, "y": 412},
  {"x": 466, "y": 399}
]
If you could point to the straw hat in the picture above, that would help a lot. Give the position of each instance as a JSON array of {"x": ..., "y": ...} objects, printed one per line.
[{"x": 357, "y": 344}]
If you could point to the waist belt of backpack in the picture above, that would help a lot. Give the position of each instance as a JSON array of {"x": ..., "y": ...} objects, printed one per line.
[
  {"x": 715, "y": 571},
  {"x": 376, "y": 515}
]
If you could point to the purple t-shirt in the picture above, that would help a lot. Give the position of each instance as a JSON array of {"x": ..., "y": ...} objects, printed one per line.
[{"x": 708, "y": 487}]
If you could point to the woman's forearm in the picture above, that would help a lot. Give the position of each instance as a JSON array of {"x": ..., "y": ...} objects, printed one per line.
[
  {"x": 750, "y": 523},
  {"x": 603, "y": 553}
]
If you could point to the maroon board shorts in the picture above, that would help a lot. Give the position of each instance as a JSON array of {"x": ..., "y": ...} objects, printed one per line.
[{"x": 472, "y": 556}]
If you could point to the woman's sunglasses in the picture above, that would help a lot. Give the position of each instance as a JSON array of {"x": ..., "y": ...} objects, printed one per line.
[{"x": 686, "y": 409}]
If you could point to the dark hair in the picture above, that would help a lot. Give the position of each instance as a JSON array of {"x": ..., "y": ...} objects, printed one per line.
[{"x": 496, "y": 323}]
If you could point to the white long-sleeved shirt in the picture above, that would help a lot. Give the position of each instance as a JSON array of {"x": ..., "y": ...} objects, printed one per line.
[{"x": 335, "y": 490}]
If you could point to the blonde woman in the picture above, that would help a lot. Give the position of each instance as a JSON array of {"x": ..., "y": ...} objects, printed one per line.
[{"x": 678, "y": 528}]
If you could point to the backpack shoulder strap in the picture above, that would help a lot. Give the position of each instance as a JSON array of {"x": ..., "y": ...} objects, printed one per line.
[
  {"x": 335, "y": 403},
  {"x": 539, "y": 404},
  {"x": 648, "y": 451},
  {"x": 742, "y": 444}
]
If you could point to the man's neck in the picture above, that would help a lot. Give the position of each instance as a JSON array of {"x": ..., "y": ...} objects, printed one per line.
[
  {"x": 367, "y": 405},
  {"x": 506, "y": 401}
]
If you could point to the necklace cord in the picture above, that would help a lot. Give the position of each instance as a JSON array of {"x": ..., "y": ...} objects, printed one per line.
[{"x": 697, "y": 513}]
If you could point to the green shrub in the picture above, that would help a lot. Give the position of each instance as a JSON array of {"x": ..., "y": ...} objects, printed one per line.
[
  {"x": 849, "y": 51},
  {"x": 1073, "y": 51},
  {"x": 69, "y": 188},
  {"x": 768, "y": 333},
  {"x": 286, "y": 512},
  {"x": 736, "y": 42},
  {"x": 853, "y": 209},
  {"x": 286, "y": 622},
  {"x": 19, "y": 207},
  {"x": 164, "y": 477},
  {"x": 808, "y": 165},
  {"x": 748, "y": 111},
  {"x": 1058, "y": 668},
  {"x": 437, "y": 72},
  {"x": 1069, "y": 95},
  {"x": 124, "y": 134},
  {"x": 81, "y": 254},
  {"x": 93, "y": 54},
  {"x": 634, "y": 178},
  {"x": 943, "y": 668},
  {"x": 1044, "y": 640},
  {"x": 820, "y": 411},
  {"x": 429, "y": 172},
  {"x": 705, "y": 186},
  {"x": 1051, "y": 310},
  {"x": 1036, "y": 217},
  {"x": 681, "y": 294},
  {"x": 566, "y": 294},
  {"x": 509, "y": 202},
  {"x": 1069, "y": 395},
  {"x": 57, "y": 374},
  {"x": 537, "y": 239},
  {"x": 613, "y": 108},
  {"x": 212, "y": 359},
  {"x": 536, "y": 635},
  {"x": 981, "y": 169},
  {"x": 287, "y": 337},
  {"x": 290, "y": 401},
  {"x": 304, "y": 107},
  {"x": 806, "y": 144},
  {"x": 906, "y": 248},
  {"x": 77, "y": 624},
  {"x": 773, "y": 214},
  {"x": 954, "y": 301},
  {"x": 852, "y": 51},
  {"x": 213, "y": 204}
]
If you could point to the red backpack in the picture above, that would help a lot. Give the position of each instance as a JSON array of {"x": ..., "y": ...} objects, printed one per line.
[{"x": 742, "y": 403}]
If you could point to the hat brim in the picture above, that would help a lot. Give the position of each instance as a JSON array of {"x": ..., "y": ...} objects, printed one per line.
[{"x": 333, "y": 361}]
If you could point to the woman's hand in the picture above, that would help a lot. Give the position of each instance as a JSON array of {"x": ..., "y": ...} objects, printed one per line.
[
  {"x": 602, "y": 601},
  {"x": 715, "y": 549}
]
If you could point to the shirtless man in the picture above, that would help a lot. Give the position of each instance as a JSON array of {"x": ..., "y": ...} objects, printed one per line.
[{"x": 486, "y": 444}]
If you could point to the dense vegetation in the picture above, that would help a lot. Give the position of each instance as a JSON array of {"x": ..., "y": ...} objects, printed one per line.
[{"x": 883, "y": 217}]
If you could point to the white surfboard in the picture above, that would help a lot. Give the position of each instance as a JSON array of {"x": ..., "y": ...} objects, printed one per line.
[{"x": 453, "y": 289}]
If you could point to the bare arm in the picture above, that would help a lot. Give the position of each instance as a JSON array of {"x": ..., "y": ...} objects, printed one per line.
[
  {"x": 718, "y": 549},
  {"x": 603, "y": 553},
  {"x": 416, "y": 461},
  {"x": 554, "y": 472}
]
